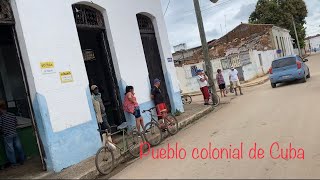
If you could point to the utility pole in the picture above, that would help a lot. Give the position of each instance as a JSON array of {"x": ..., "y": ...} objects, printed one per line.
[
  {"x": 295, "y": 30},
  {"x": 205, "y": 48}
]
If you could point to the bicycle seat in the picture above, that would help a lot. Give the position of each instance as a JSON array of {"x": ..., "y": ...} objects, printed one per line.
[{"x": 124, "y": 125}]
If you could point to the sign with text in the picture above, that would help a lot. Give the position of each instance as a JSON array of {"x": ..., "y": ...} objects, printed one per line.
[
  {"x": 66, "y": 77},
  {"x": 47, "y": 67}
]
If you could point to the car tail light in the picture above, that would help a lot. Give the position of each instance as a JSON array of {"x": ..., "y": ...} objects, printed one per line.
[
  {"x": 299, "y": 65},
  {"x": 270, "y": 70}
]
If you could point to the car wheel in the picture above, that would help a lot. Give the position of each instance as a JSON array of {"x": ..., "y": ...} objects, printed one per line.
[
  {"x": 309, "y": 76},
  {"x": 273, "y": 85},
  {"x": 304, "y": 79}
]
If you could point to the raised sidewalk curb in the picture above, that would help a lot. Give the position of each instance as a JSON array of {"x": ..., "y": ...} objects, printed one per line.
[{"x": 87, "y": 170}]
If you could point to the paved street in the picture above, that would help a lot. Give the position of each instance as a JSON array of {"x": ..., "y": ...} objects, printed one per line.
[{"x": 287, "y": 114}]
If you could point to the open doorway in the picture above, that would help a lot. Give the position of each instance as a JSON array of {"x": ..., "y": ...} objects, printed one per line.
[
  {"x": 152, "y": 54},
  {"x": 98, "y": 60},
  {"x": 14, "y": 92}
]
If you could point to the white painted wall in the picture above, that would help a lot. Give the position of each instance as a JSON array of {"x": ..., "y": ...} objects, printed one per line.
[
  {"x": 315, "y": 43},
  {"x": 251, "y": 71},
  {"x": 285, "y": 43},
  {"x": 50, "y": 34},
  {"x": 47, "y": 32},
  {"x": 188, "y": 84}
]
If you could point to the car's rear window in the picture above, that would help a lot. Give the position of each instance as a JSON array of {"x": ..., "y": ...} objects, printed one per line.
[{"x": 284, "y": 62}]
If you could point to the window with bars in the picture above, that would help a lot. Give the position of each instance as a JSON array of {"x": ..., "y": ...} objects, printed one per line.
[{"x": 6, "y": 16}]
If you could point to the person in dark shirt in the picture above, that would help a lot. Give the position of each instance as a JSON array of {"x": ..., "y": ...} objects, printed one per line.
[
  {"x": 8, "y": 125},
  {"x": 158, "y": 99}
]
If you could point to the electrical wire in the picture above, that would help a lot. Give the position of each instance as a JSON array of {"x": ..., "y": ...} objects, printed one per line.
[{"x": 167, "y": 7}]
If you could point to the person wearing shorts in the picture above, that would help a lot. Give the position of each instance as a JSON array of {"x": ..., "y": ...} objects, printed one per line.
[
  {"x": 131, "y": 106},
  {"x": 158, "y": 99},
  {"x": 234, "y": 78},
  {"x": 203, "y": 83},
  {"x": 221, "y": 83}
]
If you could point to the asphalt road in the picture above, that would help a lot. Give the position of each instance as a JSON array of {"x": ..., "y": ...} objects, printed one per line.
[{"x": 287, "y": 114}]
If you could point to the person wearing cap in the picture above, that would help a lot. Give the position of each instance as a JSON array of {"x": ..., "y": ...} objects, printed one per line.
[
  {"x": 158, "y": 98},
  {"x": 203, "y": 83},
  {"x": 234, "y": 78},
  {"x": 12, "y": 144},
  {"x": 99, "y": 108}
]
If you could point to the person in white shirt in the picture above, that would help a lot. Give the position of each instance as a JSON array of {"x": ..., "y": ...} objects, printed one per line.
[
  {"x": 234, "y": 78},
  {"x": 203, "y": 83}
]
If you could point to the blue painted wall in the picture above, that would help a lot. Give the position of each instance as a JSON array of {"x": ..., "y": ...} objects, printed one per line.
[{"x": 70, "y": 146}]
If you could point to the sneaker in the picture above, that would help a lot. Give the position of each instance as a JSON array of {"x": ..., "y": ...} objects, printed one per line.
[{"x": 241, "y": 94}]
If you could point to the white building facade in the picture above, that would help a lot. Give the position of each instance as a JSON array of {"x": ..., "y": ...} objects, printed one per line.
[
  {"x": 313, "y": 43},
  {"x": 67, "y": 46}
]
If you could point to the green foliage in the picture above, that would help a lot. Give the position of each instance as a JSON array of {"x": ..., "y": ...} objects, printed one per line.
[{"x": 279, "y": 13}]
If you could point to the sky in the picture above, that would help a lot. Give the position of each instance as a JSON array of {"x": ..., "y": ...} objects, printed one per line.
[{"x": 218, "y": 18}]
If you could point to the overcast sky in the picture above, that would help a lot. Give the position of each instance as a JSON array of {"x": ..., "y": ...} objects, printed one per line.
[{"x": 218, "y": 18}]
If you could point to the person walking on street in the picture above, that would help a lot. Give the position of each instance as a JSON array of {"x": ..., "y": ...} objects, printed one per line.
[
  {"x": 221, "y": 83},
  {"x": 203, "y": 83},
  {"x": 100, "y": 109},
  {"x": 158, "y": 99},
  {"x": 234, "y": 78},
  {"x": 12, "y": 144},
  {"x": 131, "y": 106}
]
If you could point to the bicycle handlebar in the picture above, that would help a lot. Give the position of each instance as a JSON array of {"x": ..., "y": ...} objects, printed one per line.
[{"x": 149, "y": 110}]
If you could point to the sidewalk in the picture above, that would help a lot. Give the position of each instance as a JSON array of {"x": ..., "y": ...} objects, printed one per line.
[
  {"x": 87, "y": 169},
  {"x": 258, "y": 81}
]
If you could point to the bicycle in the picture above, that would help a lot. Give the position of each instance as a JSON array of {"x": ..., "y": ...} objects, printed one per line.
[
  {"x": 186, "y": 99},
  {"x": 170, "y": 123},
  {"x": 104, "y": 159}
]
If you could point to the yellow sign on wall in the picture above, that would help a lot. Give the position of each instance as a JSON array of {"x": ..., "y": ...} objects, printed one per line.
[
  {"x": 66, "y": 77},
  {"x": 47, "y": 67}
]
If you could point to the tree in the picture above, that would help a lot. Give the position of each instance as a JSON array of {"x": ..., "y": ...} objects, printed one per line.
[{"x": 279, "y": 13}]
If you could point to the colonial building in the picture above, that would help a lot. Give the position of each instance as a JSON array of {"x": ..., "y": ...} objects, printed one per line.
[
  {"x": 250, "y": 48},
  {"x": 51, "y": 52},
  {"x": 313, "y": 43}
]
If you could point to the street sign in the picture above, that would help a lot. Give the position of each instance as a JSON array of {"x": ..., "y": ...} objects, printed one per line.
[{"x": 279, "y": 51}]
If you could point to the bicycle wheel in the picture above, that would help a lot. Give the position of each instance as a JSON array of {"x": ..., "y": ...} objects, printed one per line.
[
  {"x": 104, "y": 160},
  {"x": 134, "y": 140},
  {"x": 187, "y": 99},
  {"x": 183, "y": 100},
  {"x": 172, "y": 124},
  {"x": 217, "y": 98},
  {"x": 153, "y": 134}
]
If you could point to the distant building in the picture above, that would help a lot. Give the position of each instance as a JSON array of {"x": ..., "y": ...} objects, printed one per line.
[
  {"x": 250, "y": 48},
  {"x": 312, "y": 43}
]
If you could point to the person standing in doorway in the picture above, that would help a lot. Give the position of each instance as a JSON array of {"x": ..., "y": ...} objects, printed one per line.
[
  {"x": 100, "y": 109},
  {"x": 158, "y": 99},
  {"x": 131, "y": 106},
  {"x": 234, "y": 78},
  {"x": 221, "y": 83},
  {"x": 203, "y": 83},
  {"x": 12, "y": 144}
]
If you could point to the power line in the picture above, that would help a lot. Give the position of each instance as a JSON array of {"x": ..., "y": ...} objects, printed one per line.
[
  {"x": 167, "y": 7},
  {"x": 206, "y": 10}
]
